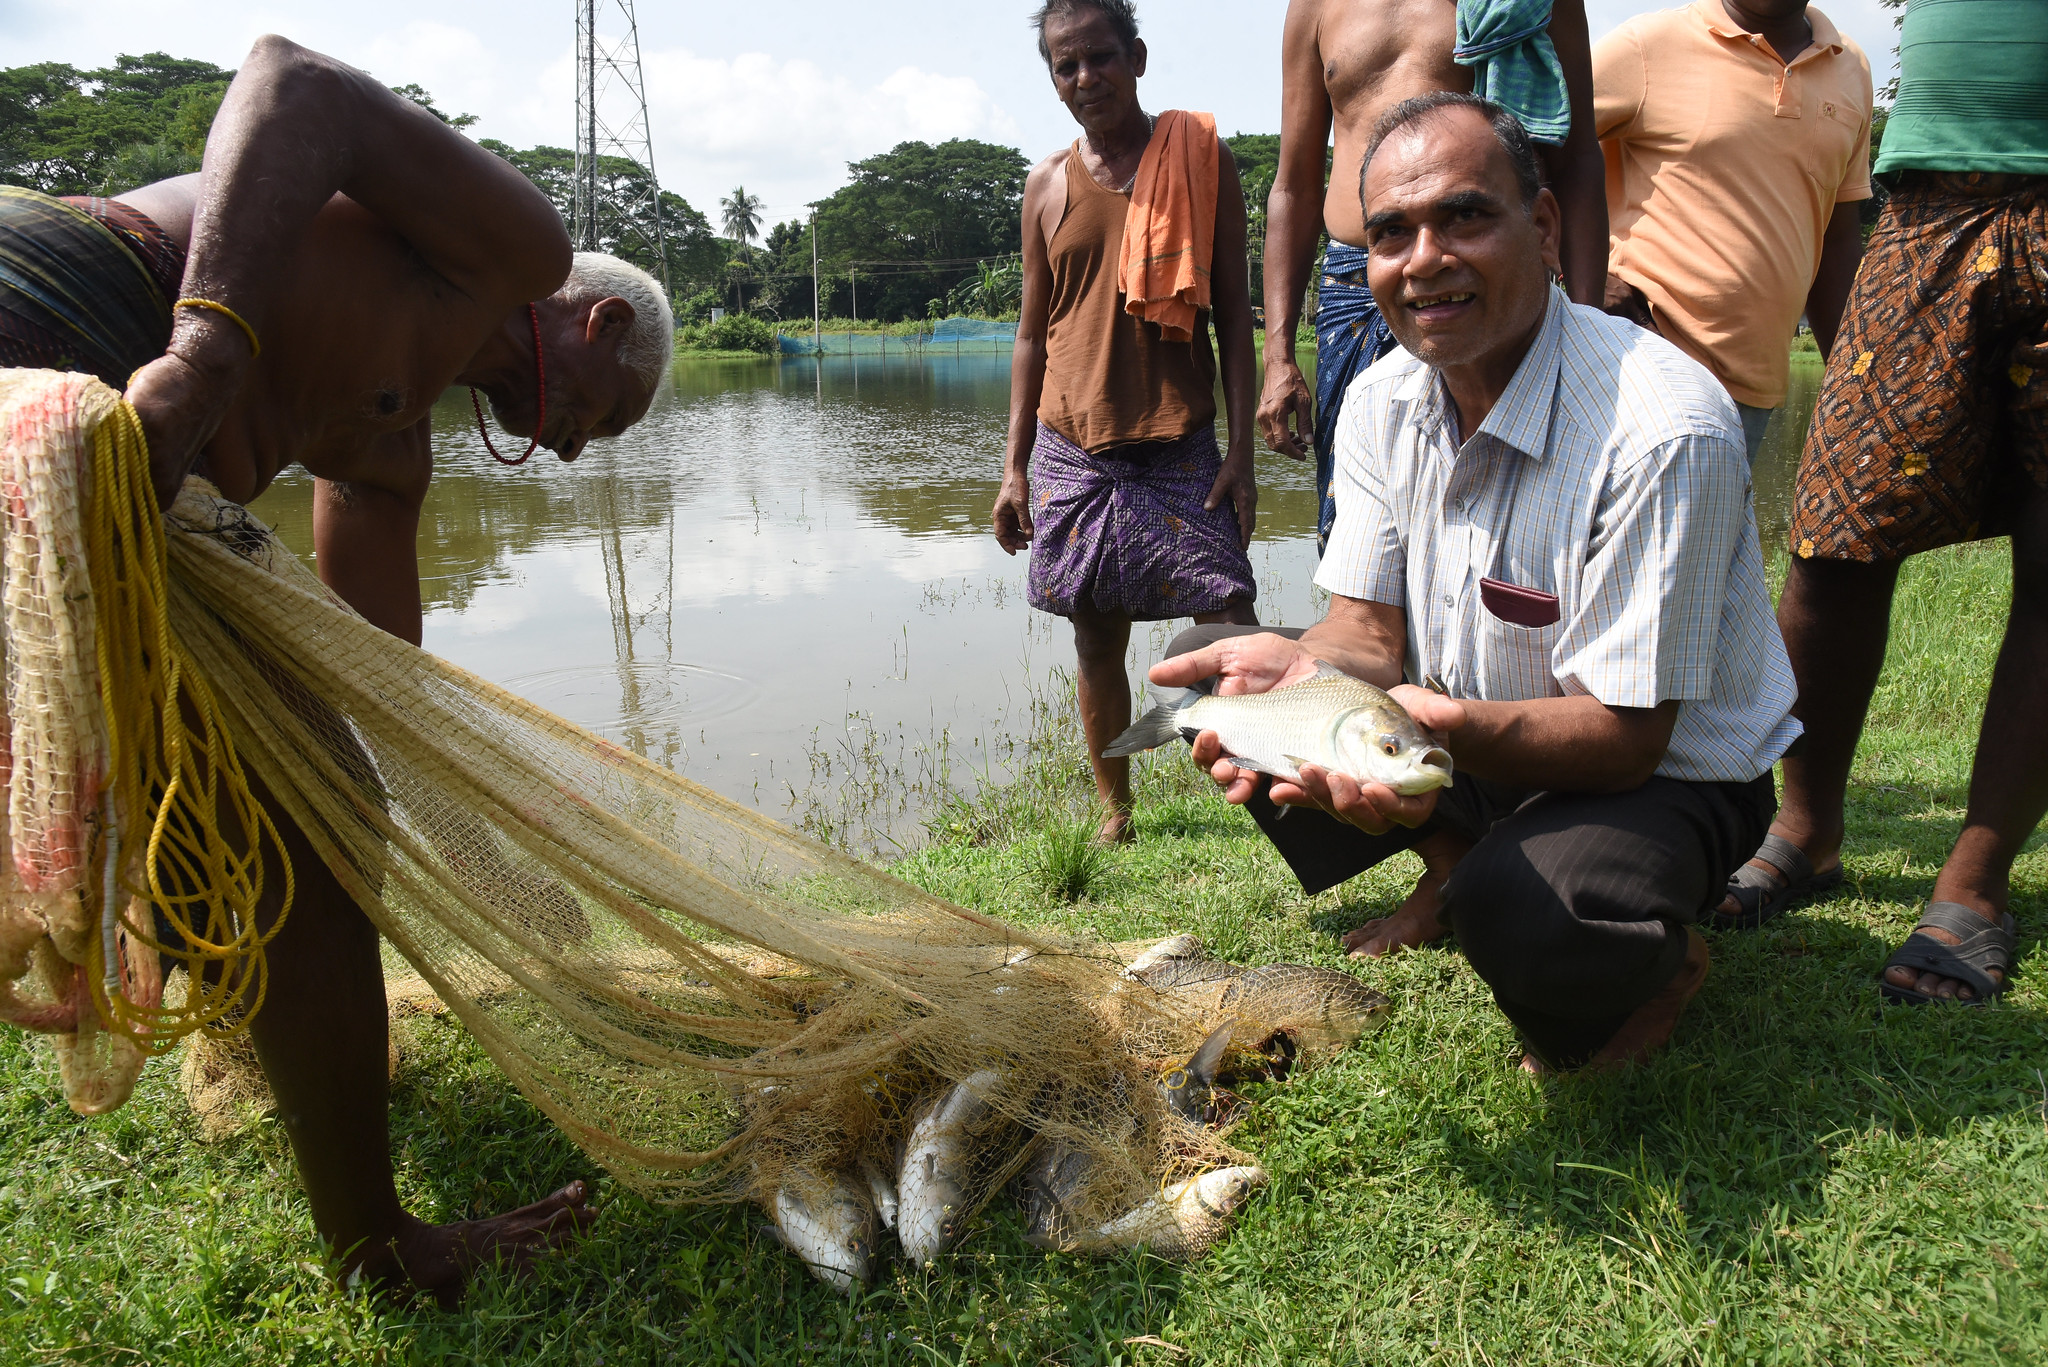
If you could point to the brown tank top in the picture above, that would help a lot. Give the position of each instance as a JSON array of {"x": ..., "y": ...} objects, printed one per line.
[{"x": 1111, "y": 378}]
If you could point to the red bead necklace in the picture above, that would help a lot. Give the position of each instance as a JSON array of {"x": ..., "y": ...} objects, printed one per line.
[{"x": 540, "y": 371}]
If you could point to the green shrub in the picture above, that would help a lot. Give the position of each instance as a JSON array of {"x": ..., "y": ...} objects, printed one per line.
[{"x": 734, "y": 332}]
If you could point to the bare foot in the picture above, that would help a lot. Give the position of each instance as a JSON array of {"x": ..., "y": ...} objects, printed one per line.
[
  {"x": 439, "y": 1259},
  {"x": 1419, "y": 920},
  {"x": 1116, "y": 828},
  {"x": 1649, "y": 1027},
  {"x": 1933, "y": 984}
]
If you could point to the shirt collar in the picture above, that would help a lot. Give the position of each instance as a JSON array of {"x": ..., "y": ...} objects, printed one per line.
[
  {"x": 1715, "y": 16},
  {"x": 1520, "y": 418}
]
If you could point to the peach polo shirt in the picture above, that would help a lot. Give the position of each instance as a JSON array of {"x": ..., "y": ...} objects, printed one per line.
[{"x": 1723, "y": 168}]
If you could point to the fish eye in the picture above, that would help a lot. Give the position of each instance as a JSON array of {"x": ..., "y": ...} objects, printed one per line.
[{"x": 1390, "y": 745}]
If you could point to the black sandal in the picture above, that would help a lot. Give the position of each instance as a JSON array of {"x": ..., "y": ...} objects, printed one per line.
[
  {"x": 1764, "y": 898},
  {"x": 1979, "y": 946}
]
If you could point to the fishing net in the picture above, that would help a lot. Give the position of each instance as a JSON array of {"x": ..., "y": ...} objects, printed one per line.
[{"x": 709, "y": 1004}]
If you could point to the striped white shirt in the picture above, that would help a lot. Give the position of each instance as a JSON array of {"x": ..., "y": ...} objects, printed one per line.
[{"x": 1611, "y": 473}]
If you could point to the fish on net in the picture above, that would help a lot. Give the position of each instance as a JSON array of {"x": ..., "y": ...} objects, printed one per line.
[{"x": 710, "y": 1005}]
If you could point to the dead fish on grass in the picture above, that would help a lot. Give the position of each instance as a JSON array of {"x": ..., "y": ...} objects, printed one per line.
[
  {"x": 1343, "y": 724},
  {"x": 1276, "y": 1010},
  {"x": 830, "y": 1226},
  {"x": 932, "y": 1189},
  {"x": 1182, "y": 1221},
  {"x": 1044, "y": 1190},
  {"x": 1321, "y": 1009}
]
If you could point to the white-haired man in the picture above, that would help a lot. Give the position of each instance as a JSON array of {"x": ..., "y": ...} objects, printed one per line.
[{"x": 342, "y": 258}]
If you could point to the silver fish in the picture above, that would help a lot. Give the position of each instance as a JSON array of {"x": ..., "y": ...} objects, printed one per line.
[
  {"x": 832, "y": 1228},
  {"x": 1043, "y": 1191},
  {"x": 931, "y": 1190},
  {"x": 1169, "y": 950},
  {"x": 1343, "y": 724},
  {"x": 1182, "y": 1221},
  {"x": 883, "y": 1189}
]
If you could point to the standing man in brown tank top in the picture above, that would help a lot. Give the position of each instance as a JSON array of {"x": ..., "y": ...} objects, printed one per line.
[{"x": 1133, "y": 240}]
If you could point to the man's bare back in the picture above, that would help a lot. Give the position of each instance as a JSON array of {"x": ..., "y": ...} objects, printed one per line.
[
  {"x": 1372, "y": 57},
  {"x": 341, "y": 399}
]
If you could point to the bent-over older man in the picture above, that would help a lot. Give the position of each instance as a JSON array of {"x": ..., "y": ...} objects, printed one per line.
[
  {"x": 342, "y": 258},
  {"x": 1544, "y": 514}
]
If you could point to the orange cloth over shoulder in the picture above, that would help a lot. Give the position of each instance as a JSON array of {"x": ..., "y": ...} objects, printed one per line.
[{"x": 1170, "y": 233}]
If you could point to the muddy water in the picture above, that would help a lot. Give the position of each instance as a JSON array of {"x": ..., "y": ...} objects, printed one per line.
[{"x": 781, "y": 583}]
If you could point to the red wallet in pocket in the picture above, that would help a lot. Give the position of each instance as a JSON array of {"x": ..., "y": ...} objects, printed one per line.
[{"x": 1519, "y": 606}]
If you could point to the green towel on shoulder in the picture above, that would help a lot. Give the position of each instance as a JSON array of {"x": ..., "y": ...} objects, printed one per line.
[{"x": 1507, "y": 43}]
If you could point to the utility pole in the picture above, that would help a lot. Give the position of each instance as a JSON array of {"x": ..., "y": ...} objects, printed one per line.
[
  {"x": 855, "y": 284},
  {"x": 608, "y": 76},
  {"x": 817, "y": 323}
]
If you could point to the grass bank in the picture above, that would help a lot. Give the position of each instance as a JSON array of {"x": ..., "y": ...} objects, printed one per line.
[{"x": 1800, "y": 1179}]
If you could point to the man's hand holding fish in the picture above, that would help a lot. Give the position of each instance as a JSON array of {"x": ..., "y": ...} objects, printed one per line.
[{"x": 1264, "y": 663}]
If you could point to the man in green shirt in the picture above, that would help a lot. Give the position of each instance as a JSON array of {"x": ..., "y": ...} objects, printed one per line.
[{"x": 1932, "y": 429}]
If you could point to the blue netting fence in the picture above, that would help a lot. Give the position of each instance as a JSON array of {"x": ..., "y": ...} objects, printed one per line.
[{"x": 948, "y": 334}]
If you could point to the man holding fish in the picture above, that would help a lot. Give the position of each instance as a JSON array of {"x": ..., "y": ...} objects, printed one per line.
[{"x": 1545, "y": 552}]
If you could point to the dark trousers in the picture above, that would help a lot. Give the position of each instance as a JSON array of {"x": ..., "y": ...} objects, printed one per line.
[{"x": 1571, "y": 906}]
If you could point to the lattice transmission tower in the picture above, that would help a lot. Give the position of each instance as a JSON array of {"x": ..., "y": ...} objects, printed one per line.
[{"x": 611, "y": 122}]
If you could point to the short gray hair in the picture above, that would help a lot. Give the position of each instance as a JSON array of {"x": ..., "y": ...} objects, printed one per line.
[{"x": 651, "y": 344}]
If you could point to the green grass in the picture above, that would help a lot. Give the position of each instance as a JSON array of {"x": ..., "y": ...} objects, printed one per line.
[{"x": 1801, "y": 1178}]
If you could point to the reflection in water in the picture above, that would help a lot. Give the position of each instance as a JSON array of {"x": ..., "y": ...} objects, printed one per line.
[{"x": 789, "y": 592}]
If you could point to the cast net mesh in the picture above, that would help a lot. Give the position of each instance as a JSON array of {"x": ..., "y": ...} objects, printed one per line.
[{"x": 709, "y": 1004}]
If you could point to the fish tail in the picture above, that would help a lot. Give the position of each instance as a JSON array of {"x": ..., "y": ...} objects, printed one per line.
[{"x": 1156, "y": 727}]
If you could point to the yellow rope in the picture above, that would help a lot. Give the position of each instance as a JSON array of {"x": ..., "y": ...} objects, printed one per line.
[{"x": 173, "y": 772}]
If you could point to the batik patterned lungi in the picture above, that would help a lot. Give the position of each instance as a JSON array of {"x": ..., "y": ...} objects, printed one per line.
[
  {"x": 1350, "y": 336},
  {"x": 85, "y": 285},
  {"x": 1933, "y": 412},
  {"x": 1123, "y": 530}
]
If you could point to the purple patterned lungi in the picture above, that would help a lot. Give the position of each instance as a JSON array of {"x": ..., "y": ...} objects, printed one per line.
[{"x": 1124, "y": 530}]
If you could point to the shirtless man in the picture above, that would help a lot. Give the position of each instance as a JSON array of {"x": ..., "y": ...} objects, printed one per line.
[
  {"x": 1344, "y": 64},
  {"x": 378, "y": 257}
]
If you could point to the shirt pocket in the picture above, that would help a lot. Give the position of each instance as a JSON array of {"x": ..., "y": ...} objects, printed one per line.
[{"x": 1514, "y": 661}]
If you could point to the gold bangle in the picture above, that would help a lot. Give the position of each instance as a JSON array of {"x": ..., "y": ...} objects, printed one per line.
[{"x": 255, "y": 347}]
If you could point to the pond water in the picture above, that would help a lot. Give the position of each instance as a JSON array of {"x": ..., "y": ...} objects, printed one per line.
[{"x": 782, "y": 584}]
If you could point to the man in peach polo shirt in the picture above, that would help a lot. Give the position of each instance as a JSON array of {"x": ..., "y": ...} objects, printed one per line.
[{"x": 1737, "y": 140}]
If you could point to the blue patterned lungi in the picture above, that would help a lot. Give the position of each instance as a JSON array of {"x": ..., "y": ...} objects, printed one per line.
[
  {"x": 1123, "y": 531},
  {"x": 1350, "y": 336}
]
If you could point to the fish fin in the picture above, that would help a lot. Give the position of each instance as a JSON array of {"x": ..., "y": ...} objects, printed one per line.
[
  {"x": 1297, "y": 761},
  {"x": 1256, "y": 766},
  {"x": 1155, "y": 728},
  {"x": 1326, "y": 670},
  {"x": 1209, "y": 1057}
]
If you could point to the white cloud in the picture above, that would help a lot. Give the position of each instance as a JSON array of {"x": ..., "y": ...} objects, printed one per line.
[
  {"x": 788, "y": 128},
  {"x": 454, "y": 64}
]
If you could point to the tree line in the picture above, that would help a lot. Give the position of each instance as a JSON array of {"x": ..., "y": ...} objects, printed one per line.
[{"x": 920, "y": 230}]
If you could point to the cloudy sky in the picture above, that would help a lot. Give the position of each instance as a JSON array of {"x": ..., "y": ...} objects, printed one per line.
[{"x": 778, "y": 97}]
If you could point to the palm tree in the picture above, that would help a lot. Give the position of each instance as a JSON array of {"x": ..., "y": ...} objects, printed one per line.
[{"x": 742, "y": 215}]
